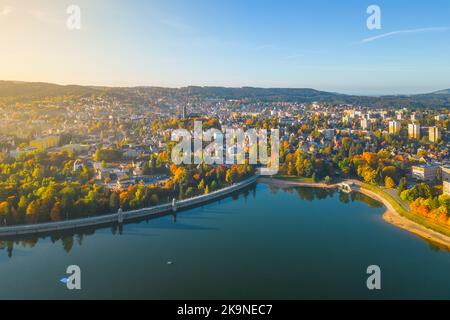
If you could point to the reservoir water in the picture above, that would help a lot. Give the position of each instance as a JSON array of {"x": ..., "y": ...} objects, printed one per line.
[{"x": 262, "y": 243}]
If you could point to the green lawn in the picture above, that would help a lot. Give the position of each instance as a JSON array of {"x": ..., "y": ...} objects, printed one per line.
[{"x": 293, "y": 178}]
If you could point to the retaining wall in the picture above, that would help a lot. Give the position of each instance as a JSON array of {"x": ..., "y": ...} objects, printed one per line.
[{"x": 128, "y": 215}]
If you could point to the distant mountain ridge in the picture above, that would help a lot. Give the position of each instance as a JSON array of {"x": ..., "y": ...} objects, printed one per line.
[
  {"x": 447, "y": 91},
  {"x": 34, "y": 91},
  {"x": 39, "y": 89}
]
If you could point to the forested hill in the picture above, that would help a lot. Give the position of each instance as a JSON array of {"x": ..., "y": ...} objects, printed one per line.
[
  {"x": 39, "y": 90},
  {"x": 13, "y": 91}
]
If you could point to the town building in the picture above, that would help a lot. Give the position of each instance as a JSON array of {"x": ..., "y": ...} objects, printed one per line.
[
  {"x": 446, "y": 172},
  {"x": 446, "y": 188},
  {"x": 426, "y": 172},
  {"x": 446, "y": 179},
  {"x": 328, "y": 133},
  {"x": 414, "y": 131},
  {"x": 364, "y": 124},
  {"x": 434, "y": 134},
  {"x": 288, "y": 121},
  {"x": 394, "y": 127}
]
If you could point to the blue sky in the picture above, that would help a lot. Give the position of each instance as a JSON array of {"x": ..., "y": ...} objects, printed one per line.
[{"x": 318, "y": 44}]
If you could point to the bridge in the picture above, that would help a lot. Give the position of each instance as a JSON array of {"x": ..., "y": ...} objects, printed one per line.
[{"x": 347, "y": 186}]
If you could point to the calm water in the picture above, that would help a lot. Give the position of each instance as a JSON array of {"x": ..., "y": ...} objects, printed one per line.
[{"x": 263, "y": 243}]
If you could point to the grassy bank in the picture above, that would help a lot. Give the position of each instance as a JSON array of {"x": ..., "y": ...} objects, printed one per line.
[
  {"x": 423, "y": 221},
  {"x": 408, "y": 214},
  {"x": 296, "y": 179}
]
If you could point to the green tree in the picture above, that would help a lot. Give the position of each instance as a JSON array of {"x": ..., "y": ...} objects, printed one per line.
[
  {"x": 299, "y": 166},
  {"x": 55, "y": 213},
  {"x": 290, "y": 169},
  {"x": 154, "y": 200},
  {"x": 389, "y": 182},
  {"x": 190, "y": 192},
  {"x": 114, "y": 201},
  {"x": 232, "y": 175},
  {"x": 402, "y": 185}
]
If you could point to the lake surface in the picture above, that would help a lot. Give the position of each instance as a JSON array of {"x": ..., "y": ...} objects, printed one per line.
[{"x": 264, "y": 243}]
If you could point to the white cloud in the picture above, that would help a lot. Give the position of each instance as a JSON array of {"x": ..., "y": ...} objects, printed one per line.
[
  {"x": 401, "y": 32},
  {"x": 6, "y": 10}
]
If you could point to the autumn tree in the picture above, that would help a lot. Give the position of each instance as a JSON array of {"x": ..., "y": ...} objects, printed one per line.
[
  {"x": 55, "y": 213},
  {"x": 389, "y": 182}
]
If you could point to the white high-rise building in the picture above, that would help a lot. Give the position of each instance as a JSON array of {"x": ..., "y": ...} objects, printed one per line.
[
  {"x": 414, "y": 131},
  {"x": 364, "y": 124},
  {"x": 446, "y": 179},
  {"x": 434, "y": 134},
  {"x": 394, "y": 127},
  {"x": 446, "y": 187}
]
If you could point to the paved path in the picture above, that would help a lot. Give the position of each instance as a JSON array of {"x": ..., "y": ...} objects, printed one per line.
[{"x": 95, "y": 221}]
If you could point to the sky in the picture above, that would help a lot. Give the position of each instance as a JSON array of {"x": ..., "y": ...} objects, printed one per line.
[{"x": 325, "y": 45}]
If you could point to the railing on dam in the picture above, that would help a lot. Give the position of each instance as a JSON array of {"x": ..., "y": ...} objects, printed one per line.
[{"x": 122, "y": 216}]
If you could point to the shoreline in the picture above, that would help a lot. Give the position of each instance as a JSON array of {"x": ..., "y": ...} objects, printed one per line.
[
  {"x": 391, "y": 215},
  {"x": 123, "y": 217}
]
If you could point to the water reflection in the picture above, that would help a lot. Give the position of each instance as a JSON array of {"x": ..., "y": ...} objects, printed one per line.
[
  {"x": 313, "y": 194},
  {"x": 70, "y": 239}
]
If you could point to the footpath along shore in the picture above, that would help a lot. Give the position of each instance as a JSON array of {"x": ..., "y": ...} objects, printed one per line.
[
  {"x": 122, "y": 217},
  {"x": 391, "y": 215}
]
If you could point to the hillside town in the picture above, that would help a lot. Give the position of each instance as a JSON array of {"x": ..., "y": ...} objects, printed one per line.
[{"x": 118, "y": 144}]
